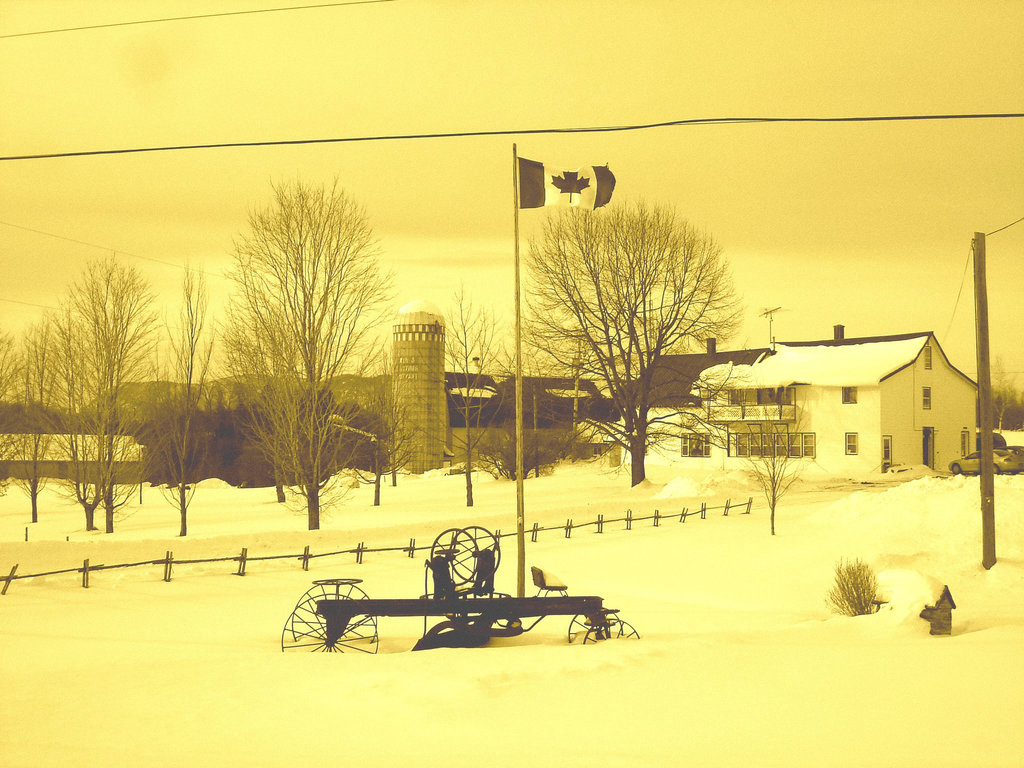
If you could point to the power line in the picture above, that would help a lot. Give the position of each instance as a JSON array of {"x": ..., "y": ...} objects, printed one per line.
[
  {"x": 115, "y": 251},
  {"x": 963, "y": 278},
  {"x": 1018, "y": 221},
  {"x": 187, "y": 18},
  {"x": 518, "y": 132},
  {"x": 28, "y": 304}
]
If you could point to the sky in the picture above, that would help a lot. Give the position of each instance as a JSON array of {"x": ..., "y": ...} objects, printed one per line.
[{"x": 868, "y": 225}]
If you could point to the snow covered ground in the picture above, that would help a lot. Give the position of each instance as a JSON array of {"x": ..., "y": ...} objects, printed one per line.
[{"x": 740, "y": 662}]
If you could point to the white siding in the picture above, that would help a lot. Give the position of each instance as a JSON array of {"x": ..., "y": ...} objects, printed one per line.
[
  {"x": 822, "y": 411},
  {"x": 953, "y": 410}
]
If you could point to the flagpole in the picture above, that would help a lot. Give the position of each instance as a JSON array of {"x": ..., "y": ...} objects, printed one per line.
[{"x": 520, "y": 514}]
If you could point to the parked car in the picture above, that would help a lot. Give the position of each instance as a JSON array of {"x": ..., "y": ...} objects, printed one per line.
[{"x": 1003, "y": 460}]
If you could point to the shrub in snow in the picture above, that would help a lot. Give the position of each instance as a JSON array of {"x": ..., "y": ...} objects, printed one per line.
[{"x": 854, "y": 591}]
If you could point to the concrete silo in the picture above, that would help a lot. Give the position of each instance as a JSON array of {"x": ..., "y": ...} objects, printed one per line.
[{"x": 419, "y": 368}]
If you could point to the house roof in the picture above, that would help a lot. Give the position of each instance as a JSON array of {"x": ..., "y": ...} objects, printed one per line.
[
  {"x": 675, "y": 376},
  {"x": 862, "y": 361}
]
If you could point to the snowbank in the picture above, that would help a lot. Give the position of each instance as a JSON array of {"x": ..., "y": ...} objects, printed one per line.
[{"x": 739, "y": 661}]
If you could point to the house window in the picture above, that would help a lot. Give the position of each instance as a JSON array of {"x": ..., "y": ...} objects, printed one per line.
[
  {"x": 775, "y": 396},
  {"x": 696, "y": 445},
  {"x": 851, "y": 443},
  {"x": 808, "y": 443},
  {"x": 742, "y": 396},
  {"x": 926, "y": 398},
  {"x": 927, "y": 357},
  {"x": 782, "y": 445},
  {"x": 849, "y": 395},
  {"x": 965, "y": 442},
  {"x": 793, "y": 444}
]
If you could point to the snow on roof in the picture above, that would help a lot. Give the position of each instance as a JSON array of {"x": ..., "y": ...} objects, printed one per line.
[
  {"x": 567, "y": 393},
  {"x": 420, "y": 306},
  {"x": 472, "y": 392},
  {"x": 845, "y": 365}
]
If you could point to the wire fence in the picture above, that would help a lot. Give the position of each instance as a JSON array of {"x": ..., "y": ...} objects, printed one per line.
[{"x": 168, "y": 561}]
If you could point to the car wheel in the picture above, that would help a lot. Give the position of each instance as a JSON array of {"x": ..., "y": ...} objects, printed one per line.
[
  {"x": 996, "y": 470},
  {"x": 955, "y": 469}
]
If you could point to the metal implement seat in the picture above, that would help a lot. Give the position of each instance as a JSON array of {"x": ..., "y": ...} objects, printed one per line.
[{"x": 547, "y": 583}]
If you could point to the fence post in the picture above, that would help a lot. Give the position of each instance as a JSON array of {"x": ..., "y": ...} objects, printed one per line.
[
  {"x": 726, "y": 513},
  {"x": 533, "y": 533},
  {"x": 656, "y": 515},
  {"x": 359, "y": 553},
  {"x": 168, "y": 559},
  {"x": 241, "y": 562},
  {"x": 750, "y": 500},
  {"x": 305, "y": 558},
  {"x": 703, "y": 510},
  {"x": 568, "y": 528},
  {"x": 9, "y": 579},
  {"x": 600, "y": 523},
  {"x": 629, "y": 519},
  {"x": 682, "y": 516},
  {"x": 85, "y": 573}
]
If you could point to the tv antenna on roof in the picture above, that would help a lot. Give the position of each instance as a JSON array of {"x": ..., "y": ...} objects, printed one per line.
[{"x": 770, "y": 314}]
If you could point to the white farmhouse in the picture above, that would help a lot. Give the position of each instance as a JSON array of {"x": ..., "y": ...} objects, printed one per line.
[{"x": 846, "y": 405}]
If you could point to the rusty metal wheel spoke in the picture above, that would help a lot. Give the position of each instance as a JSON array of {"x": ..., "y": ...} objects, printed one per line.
[
  {"x": 462, "y": 547},
  {"x": 579, "y": 627},
  {"x": 625, "y": 629},
  {"x": 306, "y": 630}
]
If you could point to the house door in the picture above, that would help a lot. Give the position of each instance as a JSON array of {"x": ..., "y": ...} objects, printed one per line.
[
  {"x": 886, "y": 452},
  {"x": 928, "y": 446}
]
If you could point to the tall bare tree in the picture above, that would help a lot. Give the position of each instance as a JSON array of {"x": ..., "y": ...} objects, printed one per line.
[
  {"x": 104, "y": 337},
  {"x": 392, "y": 439},
  {"x": 1004, "y": 392},
  {"x": 9, "y": 370},
  {"x": 35, "y": 393},
  {"x": 179, "y": 446},
  {"x": 309, "y": 288},
  {"x": 616, "y": 291},
  {"x": 471, "y": 346},
  {"x": 258, "y": 375}
]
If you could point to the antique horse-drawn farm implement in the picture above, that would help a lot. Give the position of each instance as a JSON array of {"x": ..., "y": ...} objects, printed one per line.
[{"x": 335, "y": 615}]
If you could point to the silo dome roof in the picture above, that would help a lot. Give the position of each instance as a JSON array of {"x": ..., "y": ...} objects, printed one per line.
[{"x": 421, "y": 306}]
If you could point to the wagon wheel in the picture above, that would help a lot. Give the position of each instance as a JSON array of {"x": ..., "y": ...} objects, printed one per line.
[
  {"x": 581, "y": 626},
  {"x": 625, "y": 629},
  {"x": 306, "y": 630},
  {"x": 612, "y": 626},
  {"x": 462, "y": 547}
]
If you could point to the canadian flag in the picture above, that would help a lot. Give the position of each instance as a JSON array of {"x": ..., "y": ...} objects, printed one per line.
[{"x": 540, "y": 185}]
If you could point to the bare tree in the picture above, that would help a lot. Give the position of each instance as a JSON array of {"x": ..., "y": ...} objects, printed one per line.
[
  {"x": 392, "y": 440},
  {"x": 1004, "y": 392},
  {"x": 9, "y": 370},
  {"x": 35, "y": 393},
  {"x": 309, "y": 288},
  {"x": 613, "y": 292},
  {"x": 258, "y": 375},
  {"x": 471, "y": 346},
  {"x": 774, "y": 456},
  {"x": 178, "y": 445},
  {"x": 104, "y": 339}
]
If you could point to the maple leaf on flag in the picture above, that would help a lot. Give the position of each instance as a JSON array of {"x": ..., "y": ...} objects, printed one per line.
[{"x": 569, "y": 183}]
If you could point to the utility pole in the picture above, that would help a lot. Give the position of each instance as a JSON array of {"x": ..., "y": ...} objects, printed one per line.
[{"x": 988, "y": 503}]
